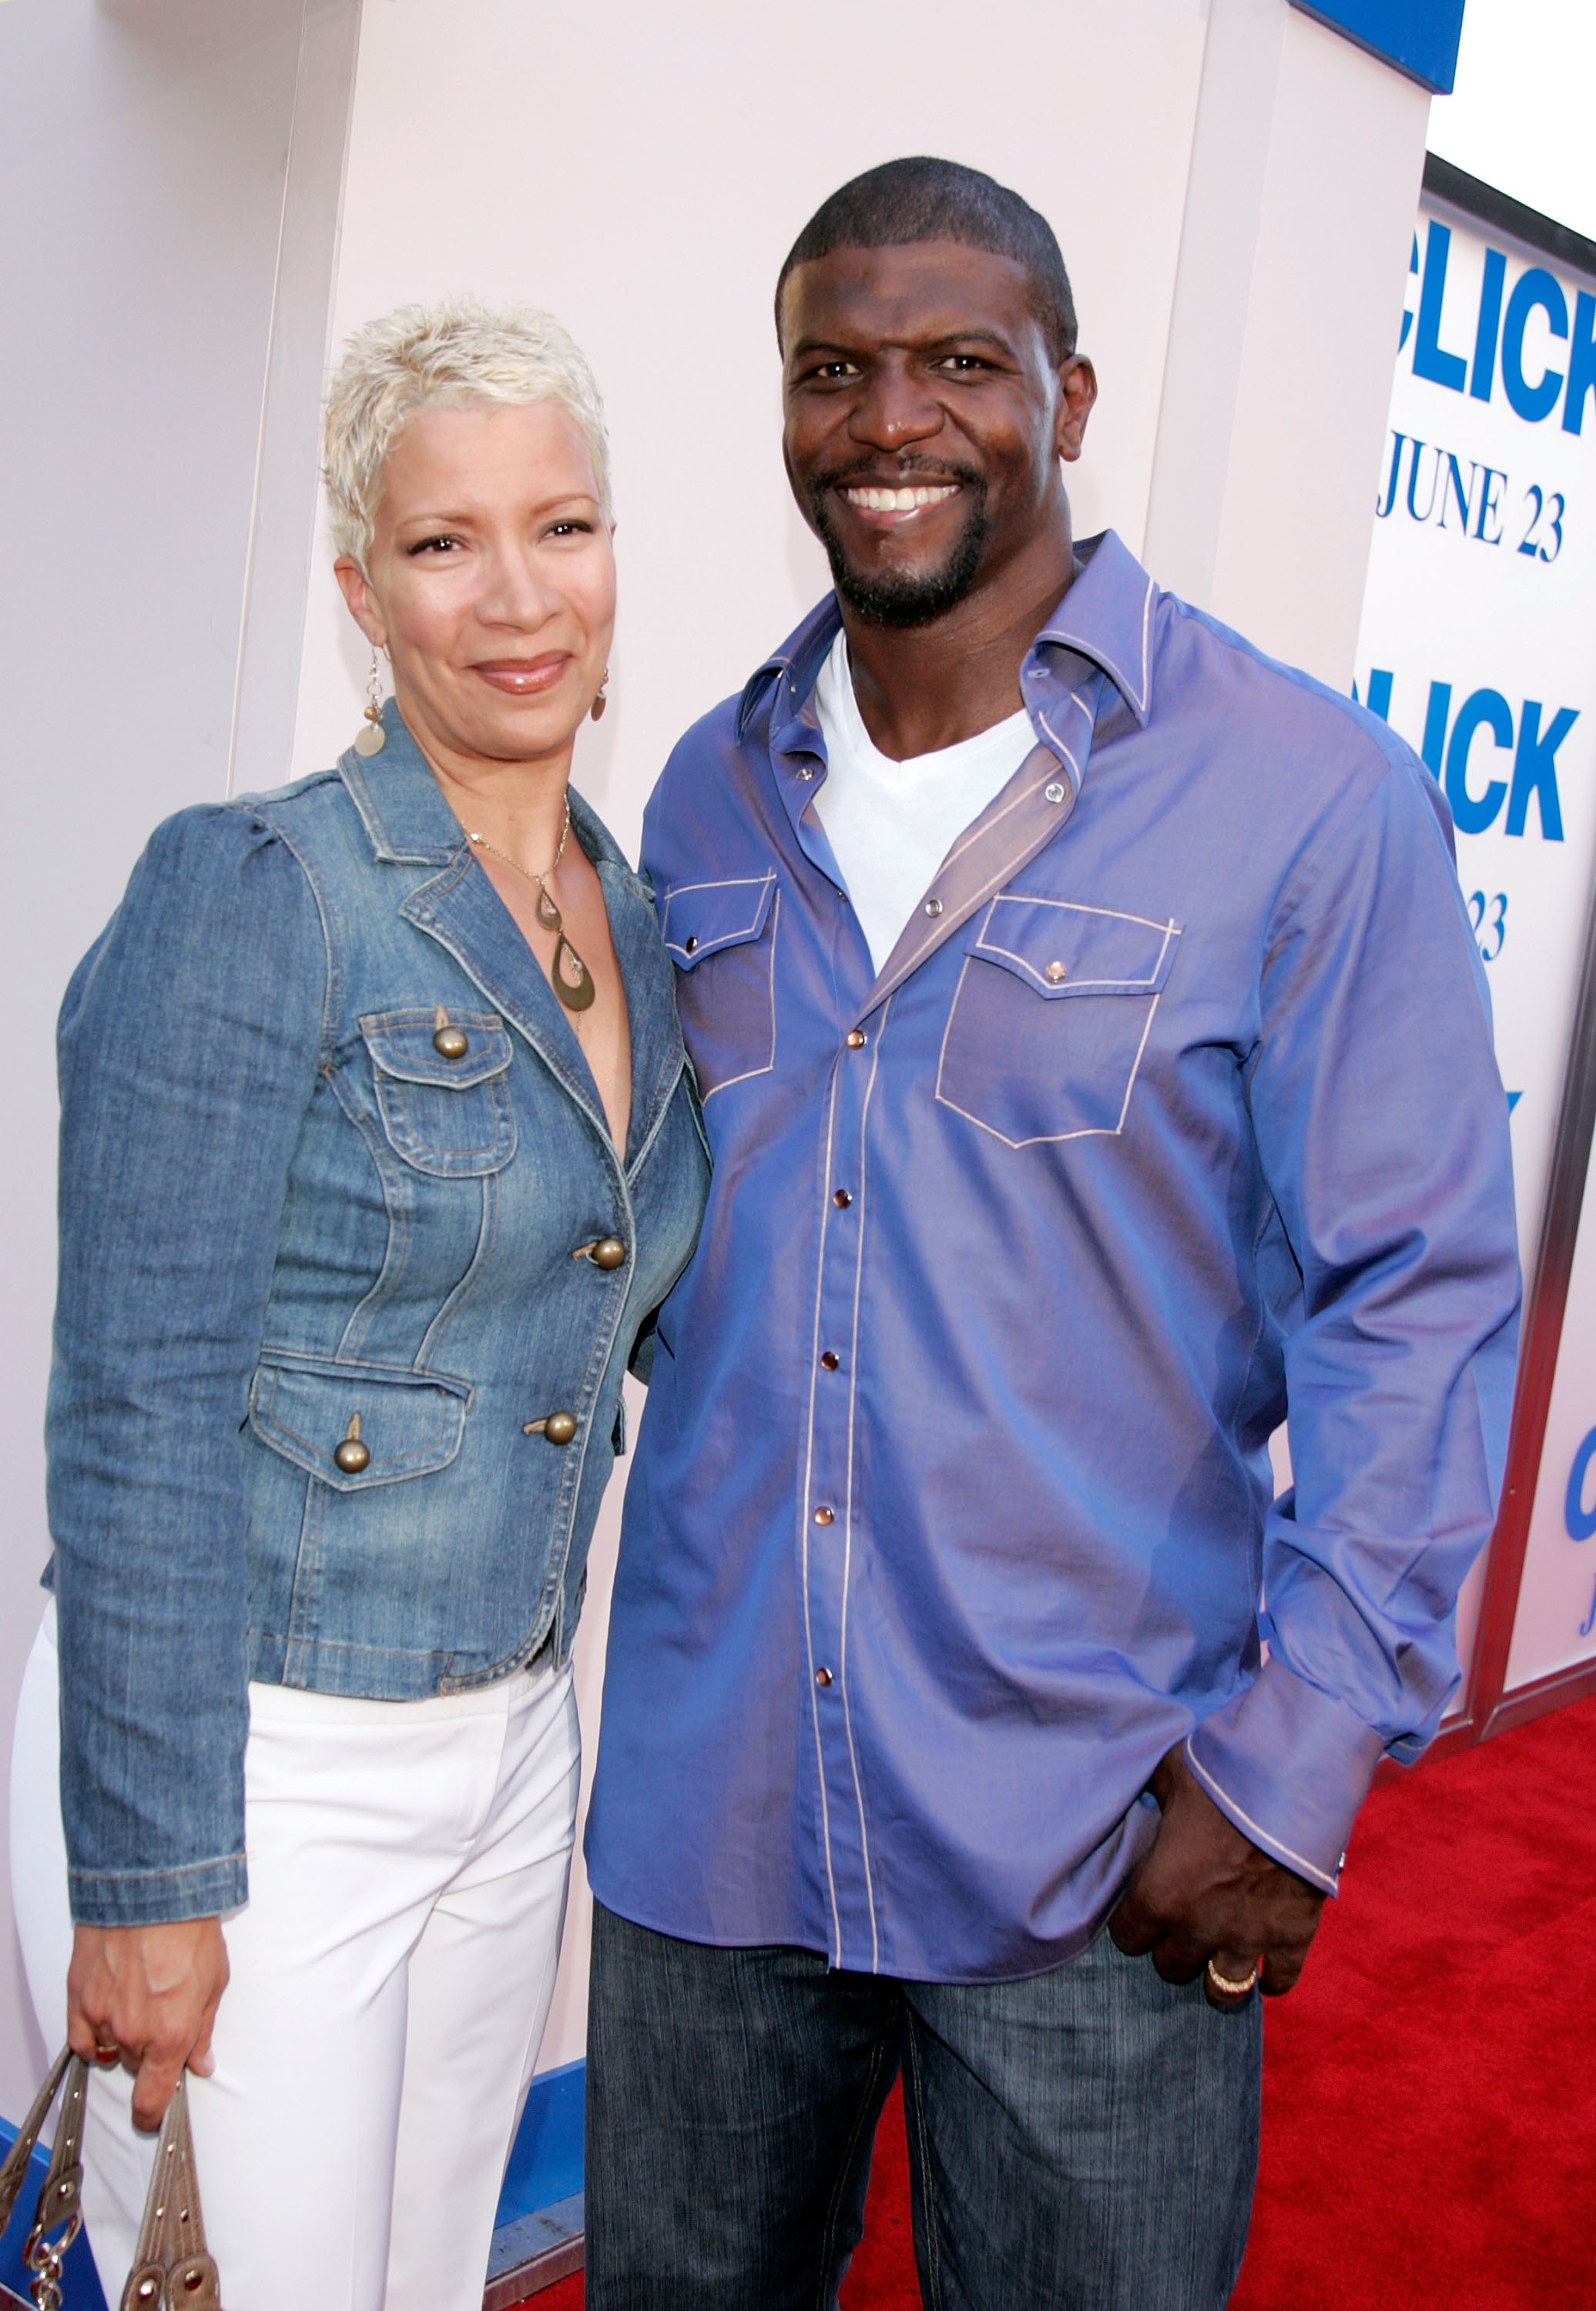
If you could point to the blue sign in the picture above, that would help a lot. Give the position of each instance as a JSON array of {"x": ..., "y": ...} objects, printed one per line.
[{"x": 1419, "y": 37}]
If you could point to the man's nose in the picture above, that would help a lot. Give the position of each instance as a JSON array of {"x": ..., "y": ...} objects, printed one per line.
[{"x": 896, "y": 408}]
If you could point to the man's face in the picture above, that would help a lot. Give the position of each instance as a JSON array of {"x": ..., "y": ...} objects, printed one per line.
[{"x": 925, "y": 421}]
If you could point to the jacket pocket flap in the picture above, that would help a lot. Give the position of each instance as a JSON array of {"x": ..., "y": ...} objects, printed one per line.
[
  {"x": 401, "y": 1045},
  {"x": 702, "y": 917},
  {"x": 408, "y": 1424},
  {"x": 1061, "y": 948}
]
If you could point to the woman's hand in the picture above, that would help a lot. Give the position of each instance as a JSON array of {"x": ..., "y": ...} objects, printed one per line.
[{"x": 147, "y": 1995}]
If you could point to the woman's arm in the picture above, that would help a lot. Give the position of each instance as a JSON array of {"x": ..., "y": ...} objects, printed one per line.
[{"x": 189, "y": 1043}]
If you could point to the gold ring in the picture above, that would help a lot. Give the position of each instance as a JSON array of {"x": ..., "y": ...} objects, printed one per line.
[{"x": 1229, "y": 1989}]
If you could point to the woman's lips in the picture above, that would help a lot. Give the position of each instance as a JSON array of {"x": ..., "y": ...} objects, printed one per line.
[{"x": 524, "y": 678}]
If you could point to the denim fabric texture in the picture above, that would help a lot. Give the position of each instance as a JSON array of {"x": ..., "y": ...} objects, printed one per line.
[
  {"x": 1174, "y": 1108},
  {"x": 282, "y": 1207},
  {"x": 1084, "y": 2141}
]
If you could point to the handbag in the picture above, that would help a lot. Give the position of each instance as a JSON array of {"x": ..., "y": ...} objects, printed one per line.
[{"x": 172, "y": 2268}]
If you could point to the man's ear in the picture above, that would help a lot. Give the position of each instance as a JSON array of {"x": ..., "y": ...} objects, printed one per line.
[
  {"x": 1077, "y": 391},
  {"x": 356, "y": 589}
]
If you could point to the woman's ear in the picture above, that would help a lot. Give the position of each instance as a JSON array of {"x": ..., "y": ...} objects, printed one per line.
[{"x": 363, "y": 607}]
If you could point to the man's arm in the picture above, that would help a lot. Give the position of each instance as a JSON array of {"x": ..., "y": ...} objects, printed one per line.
[{"x": 1382, "y": 1132}]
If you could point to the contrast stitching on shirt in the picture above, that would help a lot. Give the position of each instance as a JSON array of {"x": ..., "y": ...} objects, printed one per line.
[
  {"x": 985, "y": 827},
  {"x": 1264, "y": 1838},
  {"x": 1136, "y": 1063},
  {"x": 749, "y": 1073},
  {"x": 726, "y": 939},
  {"x": 993, "y": 883},
  {"x": 858, "y": 1280},
  {"x": 825, "y": 1825},
  {"x": 1147, "y": 628}
]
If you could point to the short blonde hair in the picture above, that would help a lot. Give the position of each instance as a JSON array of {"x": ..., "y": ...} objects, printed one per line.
[{"x": 453, "y": 355}]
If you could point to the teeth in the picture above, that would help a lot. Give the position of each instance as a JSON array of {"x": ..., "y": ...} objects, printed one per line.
[{"x": 875, "y": 501}]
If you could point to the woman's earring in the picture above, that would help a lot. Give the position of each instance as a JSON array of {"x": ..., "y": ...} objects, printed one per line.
[
  {"x": 371, "y": 738},
  {"x": 602, "y": 701}
]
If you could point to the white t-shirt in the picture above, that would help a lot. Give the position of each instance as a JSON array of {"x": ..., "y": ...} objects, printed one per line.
[{"x": 890, "y": 824}]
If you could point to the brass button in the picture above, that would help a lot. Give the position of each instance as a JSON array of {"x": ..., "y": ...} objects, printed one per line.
[
  {"x": 352, "y": 1456},
  {"x": 841, "y": 1199},
  {"x": 823, "y": 1677},
  {"x": 857, "y": 1039},
  {"x": 690, "y": 945},
  {"x": 609, "y": 1251},
  {"x": 830, "y": 1360},
  {"x": 825, "y": 1516},
  {"x": 1055, "y": 974},
  {"x": 559, "y": 1427},
  {"x": 451, "y": 1043},
  {"x": 933, "y": 906}
]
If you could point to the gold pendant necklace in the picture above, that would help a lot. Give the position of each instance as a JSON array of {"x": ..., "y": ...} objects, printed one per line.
[{"x": 573, "y": 981}]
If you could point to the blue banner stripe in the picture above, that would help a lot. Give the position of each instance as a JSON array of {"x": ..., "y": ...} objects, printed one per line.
[{"x": 1418, "y": 37}]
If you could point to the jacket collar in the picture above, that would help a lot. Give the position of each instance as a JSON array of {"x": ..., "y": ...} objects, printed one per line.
[{"x": 1105, "y": 618}]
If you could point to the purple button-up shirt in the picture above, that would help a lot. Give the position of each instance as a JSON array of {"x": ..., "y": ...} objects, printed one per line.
[{"x": 1174, "y": 1105}]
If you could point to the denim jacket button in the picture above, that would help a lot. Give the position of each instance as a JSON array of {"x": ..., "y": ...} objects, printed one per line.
[
  {"x": 609, "y": 1251},
  {"x": 451, "y": 1043},
  {"x": 352, "y": 1456},
  {"x": 559, "y": 1427}
]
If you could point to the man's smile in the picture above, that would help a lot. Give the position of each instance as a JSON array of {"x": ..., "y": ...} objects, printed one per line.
[{"x": 896, "y": 506}]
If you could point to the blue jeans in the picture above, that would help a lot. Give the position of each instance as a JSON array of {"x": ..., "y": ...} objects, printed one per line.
[{"x": 1084, "y": 2141}]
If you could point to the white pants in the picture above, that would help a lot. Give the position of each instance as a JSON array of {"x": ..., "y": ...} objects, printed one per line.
[{"x": 391, "y": 1975}]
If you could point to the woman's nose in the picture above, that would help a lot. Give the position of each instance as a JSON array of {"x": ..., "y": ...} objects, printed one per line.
[{"x": 516, "y": 593}]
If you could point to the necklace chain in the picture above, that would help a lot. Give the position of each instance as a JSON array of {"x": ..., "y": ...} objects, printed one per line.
[{"x": 573, "y": 981}]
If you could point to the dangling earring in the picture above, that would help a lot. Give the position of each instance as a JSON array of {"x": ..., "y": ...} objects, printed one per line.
[
  {"x": 602, "y": 701},
  {"x": 371, "y": 738}
]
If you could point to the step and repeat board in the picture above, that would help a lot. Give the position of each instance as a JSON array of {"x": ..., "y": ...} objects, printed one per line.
[{"x": 1478, "y": 645}]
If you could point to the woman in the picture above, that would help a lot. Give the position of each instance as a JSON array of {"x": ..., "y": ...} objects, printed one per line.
[{"x": 377, "y": 1149}]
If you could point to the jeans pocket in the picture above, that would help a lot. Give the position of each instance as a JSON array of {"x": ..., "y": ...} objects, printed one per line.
[{"x": 1050, "y": 1017}]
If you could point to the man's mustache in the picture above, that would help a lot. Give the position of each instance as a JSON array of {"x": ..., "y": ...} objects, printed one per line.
[{"x": 894, "y": 474}]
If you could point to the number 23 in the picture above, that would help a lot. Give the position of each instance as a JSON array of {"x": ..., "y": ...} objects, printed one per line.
[{"x": 1479, "y": 907}]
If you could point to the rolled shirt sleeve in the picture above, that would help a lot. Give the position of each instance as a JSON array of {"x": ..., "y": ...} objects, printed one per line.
[
  {"x": 1382, "y": 1128},
  {"x": 189, "y": 1043}
]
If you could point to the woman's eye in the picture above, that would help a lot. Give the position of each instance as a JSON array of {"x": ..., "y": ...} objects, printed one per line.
[
  {"x": 572, "y": 529},
  {"x": 439, "y": 545}
]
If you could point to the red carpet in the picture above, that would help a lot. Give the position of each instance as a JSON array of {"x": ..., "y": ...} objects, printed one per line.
[{"x": 1429, "y": 2136}]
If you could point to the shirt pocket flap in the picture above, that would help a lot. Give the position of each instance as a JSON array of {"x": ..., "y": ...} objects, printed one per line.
[
  {"x": 402, "y": 1045},
  {"x": 702, "y": 918},
  {"x": 407, "y": 1424},
  {"x": 1063, "y": 949}
]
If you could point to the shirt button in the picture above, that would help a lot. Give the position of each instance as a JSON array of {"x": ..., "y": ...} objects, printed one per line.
[
  {"x": 841, "y": 1199},
  {"x": 830, "y": 1360},
  {"x": 1055, "y": 974},
  {"x": 690, "y": 945},
  {"x": 857, "y": 1039},
  {"x": 825, "y": 1516},
  {"x": 807, "y": 772},
  {"x": 1054, "y": 792},
  {"x": 933, "y": 906},
  {"x": 823, "y": 1677}
]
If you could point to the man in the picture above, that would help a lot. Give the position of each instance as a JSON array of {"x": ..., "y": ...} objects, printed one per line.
[{"x": 1095, "y": 1060}]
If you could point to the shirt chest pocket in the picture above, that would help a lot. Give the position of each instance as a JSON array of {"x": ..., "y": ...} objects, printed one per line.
[
  {"x": 721, "y": 937},
  {"x": 445, "y": 1109},
  {"x": 1050, "y": 1017}
]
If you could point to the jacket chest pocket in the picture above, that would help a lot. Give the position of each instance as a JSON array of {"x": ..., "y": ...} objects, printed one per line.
[
  {"x": 1050, "y": 1017},
  {"x": 444, "y": 1109},
  {"x": 722, "y": 938}
]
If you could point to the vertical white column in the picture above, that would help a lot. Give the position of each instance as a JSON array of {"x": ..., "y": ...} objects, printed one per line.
[{"x": 1304, "y": 180}]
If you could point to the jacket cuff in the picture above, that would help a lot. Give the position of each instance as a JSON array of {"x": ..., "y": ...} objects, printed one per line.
[
  {"x": 159, "y": 1898},
  {"x": 1289, "y": 1767}
]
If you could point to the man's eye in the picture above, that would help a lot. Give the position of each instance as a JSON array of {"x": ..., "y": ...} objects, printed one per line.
[
  {"x": 962, "y": 363},
  {"x": 835, "y": 372}
]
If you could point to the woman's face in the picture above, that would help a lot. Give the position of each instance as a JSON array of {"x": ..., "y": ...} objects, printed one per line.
[{"x": 491, "y": 581}]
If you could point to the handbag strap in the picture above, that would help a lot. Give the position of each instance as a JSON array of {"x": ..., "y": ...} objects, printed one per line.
[
  {"x": 59, "y": 2216},
  {"x": 172, "y": 2268}
]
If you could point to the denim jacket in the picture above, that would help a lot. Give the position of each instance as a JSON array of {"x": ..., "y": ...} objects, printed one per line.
[{"x": 295, "y": 1217}]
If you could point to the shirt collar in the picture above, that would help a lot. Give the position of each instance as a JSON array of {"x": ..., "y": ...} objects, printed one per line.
[
  {"x": 1106, "y": 616},
  {"x": 402, "y": 807}
]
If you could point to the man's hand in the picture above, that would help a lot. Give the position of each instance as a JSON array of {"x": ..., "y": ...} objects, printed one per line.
[
  {"x": 1206, "y": 1891},
  {"x": 147, "y": 1995}
]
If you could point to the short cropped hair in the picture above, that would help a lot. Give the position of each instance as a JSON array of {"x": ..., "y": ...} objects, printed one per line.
[
  {"x": 458, "y": 354},
  {"x": 903, "y": 202}
]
